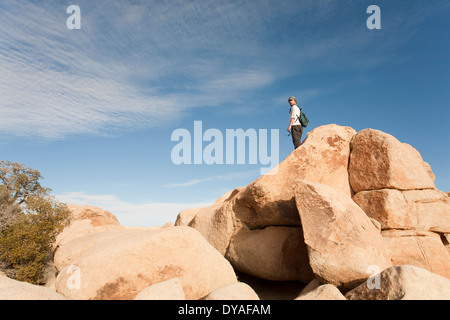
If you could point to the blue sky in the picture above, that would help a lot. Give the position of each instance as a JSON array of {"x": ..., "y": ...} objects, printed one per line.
[{"x": 94, "y": 109}]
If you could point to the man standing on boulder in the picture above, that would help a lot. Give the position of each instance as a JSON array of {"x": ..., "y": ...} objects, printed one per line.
[{"x": 295, "y": 127}]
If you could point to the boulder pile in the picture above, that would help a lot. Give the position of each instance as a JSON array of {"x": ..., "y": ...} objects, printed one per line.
[
  {"x": 340, "y": 207},
  {"x": 112, "y": 262},
  {"x": 349, "y": 215}
]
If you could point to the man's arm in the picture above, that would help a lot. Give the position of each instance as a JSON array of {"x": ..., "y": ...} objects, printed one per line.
[{"x": 290, "y": 124}]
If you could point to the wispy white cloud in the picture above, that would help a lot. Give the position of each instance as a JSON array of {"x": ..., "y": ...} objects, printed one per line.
[
  {"x": 121, "y": 71},
  {"x": 127, "y": 65},
  {"x": 51, "y": 86},
  {"x": 231, "y": 176},
  {"x": 131, "y": 62},
  {"x": 146, "y": 214}
]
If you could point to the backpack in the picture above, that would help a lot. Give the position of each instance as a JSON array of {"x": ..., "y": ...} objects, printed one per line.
[{"x": 303, "y": 118}]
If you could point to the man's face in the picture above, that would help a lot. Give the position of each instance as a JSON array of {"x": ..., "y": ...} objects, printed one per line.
[{"x": 292, "y": 102}]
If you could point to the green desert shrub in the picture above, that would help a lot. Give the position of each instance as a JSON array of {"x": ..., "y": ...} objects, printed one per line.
[{"x": 30, "y": 220}]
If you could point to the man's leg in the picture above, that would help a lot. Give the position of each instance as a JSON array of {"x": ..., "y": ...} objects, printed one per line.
[{"x": 296, "y": 132}]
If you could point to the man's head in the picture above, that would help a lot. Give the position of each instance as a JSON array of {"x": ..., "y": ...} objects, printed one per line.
[{"x": 292, "y": 101}]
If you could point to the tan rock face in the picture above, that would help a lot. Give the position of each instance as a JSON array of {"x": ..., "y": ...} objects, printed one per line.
[
  {"x": 323, "y": 292},
  {"x": 380, "y": 161},
  {"x": 81, "y": 228},
  {"x": 395, "y": 186},
  {"x": 216, "y": 224},
  {"x": 86, "y": 220},
  {"x": 118, "y": 264},
  {"x": 322, "y": 158},
  {"x": 342, "y": 241},
  {"x": 418, "y": 248},
  {"x": 16, "y": 290},
  {"x": 446, "y": 241},
  {"x": 273, "y": 253},
  {"x": 171, "y": 289},
  {"x": 387, "y": 206},
  {"x": 186, "y": 216},
  {"x": 404, "y": 283},
  {"x": 233, "y": 291},
  {"x": 427, "y": 210},
  {"x": 97, "y": 216}
]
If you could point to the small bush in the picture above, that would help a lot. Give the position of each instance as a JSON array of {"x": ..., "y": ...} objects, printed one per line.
[{"x": 29, "y": 224}]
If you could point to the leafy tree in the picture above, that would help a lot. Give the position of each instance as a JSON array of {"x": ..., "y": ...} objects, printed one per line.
[
  {"x": 30, "y": 220},
  {"x": 19, "y": 182},
  {"x": 10, "y": 212}
]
